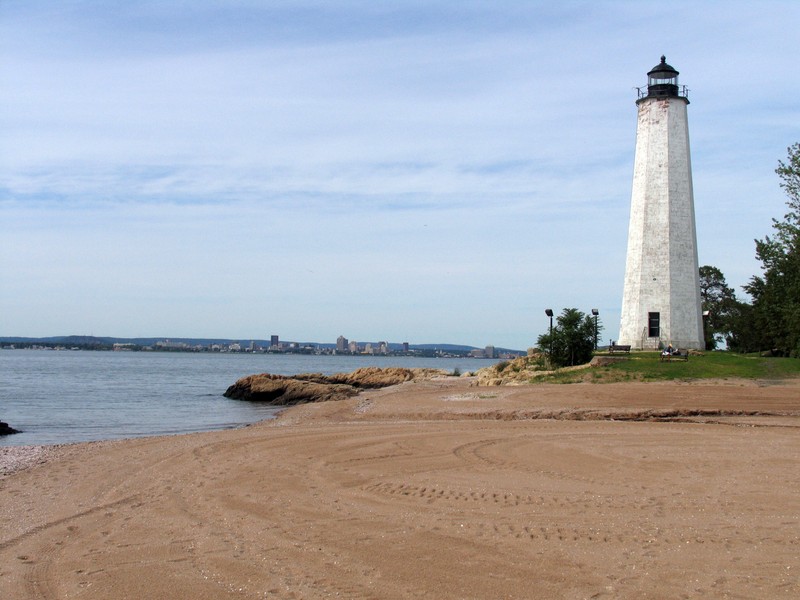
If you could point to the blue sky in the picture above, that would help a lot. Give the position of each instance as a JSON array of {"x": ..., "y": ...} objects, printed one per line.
[{"x": 426, "y": 171}]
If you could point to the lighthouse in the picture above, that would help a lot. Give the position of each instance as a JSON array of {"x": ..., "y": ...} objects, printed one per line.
[{"x": 661, "y": 294}]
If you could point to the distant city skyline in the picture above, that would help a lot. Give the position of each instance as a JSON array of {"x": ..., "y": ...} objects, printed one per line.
[
  {"x": 432, "y": 170},
  {"x": 259, "y": 345}
]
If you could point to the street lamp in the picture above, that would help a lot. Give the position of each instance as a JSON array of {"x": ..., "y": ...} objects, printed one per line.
[
  {"x": 549, "y": 313},
  {"x": 595, "y": 312}
]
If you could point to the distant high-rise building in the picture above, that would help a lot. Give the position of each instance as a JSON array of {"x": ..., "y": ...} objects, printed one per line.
[
  {"x": 353, "y": 347},
  {"x": 274, "y": 342},
  {"x": 405, "y": 346},
  {"x": 489, "y": 352},
  {"x": 383, "y": 348},
  {"x": 341, "y": 344}
]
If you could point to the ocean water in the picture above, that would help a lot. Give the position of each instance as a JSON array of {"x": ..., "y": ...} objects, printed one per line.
[{"x": 58, "y": 397}]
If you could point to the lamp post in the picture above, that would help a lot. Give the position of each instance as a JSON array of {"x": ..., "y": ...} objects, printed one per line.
[
  {"x": 549, "y": 313},
  {"x": 595, "y": 312}
]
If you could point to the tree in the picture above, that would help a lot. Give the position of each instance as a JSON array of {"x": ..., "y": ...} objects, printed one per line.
[
  {"x": 719, "y": 302},
  {"x": 776, "y": 293},
  {"x": 572, "y": 340},
  {"x": 744, "y": 335}
]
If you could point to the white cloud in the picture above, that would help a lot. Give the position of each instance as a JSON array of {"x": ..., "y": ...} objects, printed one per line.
[{"x": 433, "y": 170}]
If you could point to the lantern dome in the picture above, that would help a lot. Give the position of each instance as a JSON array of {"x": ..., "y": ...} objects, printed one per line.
[{"x": 662, "y": 80}]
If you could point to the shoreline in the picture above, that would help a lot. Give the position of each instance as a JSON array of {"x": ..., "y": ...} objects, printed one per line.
[
  {"x": 14, "y": 459},
  {"x": 17, "y": 458},
  {"x": 429, "y": 489}
]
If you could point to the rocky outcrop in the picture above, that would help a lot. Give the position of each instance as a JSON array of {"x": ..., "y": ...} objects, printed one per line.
[
  {"x": 515, "y": 372},
  {"x": 286, "y": 391},
  {"x": 375, "y": 377},
  {"x": 6, "y": 429},
  {"x": 519, "y": 371},
  {"x": 281, "y": 390}
]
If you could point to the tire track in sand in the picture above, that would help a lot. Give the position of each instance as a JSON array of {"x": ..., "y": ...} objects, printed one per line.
[{"x": 37, "y": 581}]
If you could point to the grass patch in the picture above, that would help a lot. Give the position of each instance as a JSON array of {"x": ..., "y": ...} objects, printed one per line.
[{"x": 646, "y": 366}]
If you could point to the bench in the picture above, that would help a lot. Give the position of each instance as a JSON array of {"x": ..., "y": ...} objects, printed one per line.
[
  {"x": 619, "y": 348},
  {"x": 679, "y": 355}
]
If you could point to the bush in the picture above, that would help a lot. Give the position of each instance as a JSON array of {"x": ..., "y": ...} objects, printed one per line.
[{"x": 572, "y": 339}]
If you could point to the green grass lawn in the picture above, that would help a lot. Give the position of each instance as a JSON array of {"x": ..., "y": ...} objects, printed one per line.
[{"x": 646, "y": 366}]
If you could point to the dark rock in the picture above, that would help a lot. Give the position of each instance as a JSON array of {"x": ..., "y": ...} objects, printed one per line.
[{"x": 6, "y": 429}]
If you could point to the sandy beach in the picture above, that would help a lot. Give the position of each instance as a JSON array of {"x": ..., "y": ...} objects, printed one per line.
[{"x": 430, "y": 490}]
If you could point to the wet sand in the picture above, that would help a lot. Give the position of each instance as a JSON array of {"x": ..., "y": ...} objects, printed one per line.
[{"x": 430, "y": 490}]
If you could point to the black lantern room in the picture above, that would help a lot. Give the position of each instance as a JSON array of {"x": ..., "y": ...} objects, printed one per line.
[{"x": 662, "y": 81}]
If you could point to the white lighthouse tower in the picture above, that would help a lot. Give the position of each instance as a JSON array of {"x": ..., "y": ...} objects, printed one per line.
[{"x": 661, "y": 297}]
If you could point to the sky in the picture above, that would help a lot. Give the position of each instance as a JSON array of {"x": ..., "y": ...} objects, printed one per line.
[{"x": 422, "y": 171}]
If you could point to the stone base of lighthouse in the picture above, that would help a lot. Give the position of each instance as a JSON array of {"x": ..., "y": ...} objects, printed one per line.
[{"x": 661, "y": 297}]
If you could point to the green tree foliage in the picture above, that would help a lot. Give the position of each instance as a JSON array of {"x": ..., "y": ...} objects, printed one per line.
[
  {"x": 572, "y": 340},
  {"x": 776, "y": 293},
  {"x": 744, "y": 335},
  {"x": 719, "y": 301}
]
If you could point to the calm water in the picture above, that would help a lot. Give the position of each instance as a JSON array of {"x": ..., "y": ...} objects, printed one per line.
[{"x": 70, "y": 396}]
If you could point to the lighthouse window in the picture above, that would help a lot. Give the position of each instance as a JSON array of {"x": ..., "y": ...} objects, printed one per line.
[
  {"x": 653, "y": 324},
  {"x": 663, "y": 79}
]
